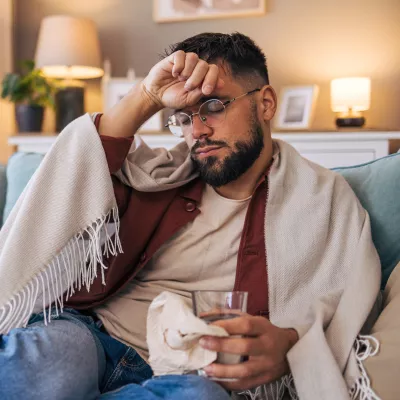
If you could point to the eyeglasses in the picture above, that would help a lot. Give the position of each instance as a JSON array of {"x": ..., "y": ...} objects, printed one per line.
[{"x": 212, "y": 113}]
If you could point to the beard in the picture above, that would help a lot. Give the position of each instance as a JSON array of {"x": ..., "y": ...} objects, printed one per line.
[{"x": 217, "y": 172}]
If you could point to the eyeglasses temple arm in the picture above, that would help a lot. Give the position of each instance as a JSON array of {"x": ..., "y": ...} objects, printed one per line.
[{"x": 242, "y": 95}]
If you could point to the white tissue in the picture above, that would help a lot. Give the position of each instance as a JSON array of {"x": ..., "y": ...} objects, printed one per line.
[{"x": 173, "y": 334}]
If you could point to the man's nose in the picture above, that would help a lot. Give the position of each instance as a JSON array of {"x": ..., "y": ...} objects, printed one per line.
[{"x": 199, "y": 128}]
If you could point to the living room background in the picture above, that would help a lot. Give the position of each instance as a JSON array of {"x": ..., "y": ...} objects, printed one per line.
[{"x": 306, "y": 42}]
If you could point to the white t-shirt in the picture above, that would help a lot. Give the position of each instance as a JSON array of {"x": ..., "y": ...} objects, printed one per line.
[{"x": 201, "y": 256}]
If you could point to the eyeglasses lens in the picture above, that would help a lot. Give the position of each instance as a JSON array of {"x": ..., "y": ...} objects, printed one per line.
[{"x": 211, "y": 113}]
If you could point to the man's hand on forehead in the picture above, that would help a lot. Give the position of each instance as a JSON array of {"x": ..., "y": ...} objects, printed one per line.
[
  {"x": 178, "y": 81},
  {"x": 181, "y": 80}
]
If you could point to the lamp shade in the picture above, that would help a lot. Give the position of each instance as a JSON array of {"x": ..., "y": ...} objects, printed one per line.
[
  {"x": 69, "y": 48},
  {"x": 350, "y": 94}
]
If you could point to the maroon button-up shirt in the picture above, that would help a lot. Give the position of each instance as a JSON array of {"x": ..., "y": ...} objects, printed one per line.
[{"x": 149, "y": 219}]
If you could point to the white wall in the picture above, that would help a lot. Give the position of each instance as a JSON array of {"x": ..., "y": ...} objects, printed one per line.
[{"x": 306, "y": 41}]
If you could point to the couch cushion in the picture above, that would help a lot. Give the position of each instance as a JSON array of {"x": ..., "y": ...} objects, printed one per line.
[
  {"x": 20, "y": 168},
  {"x": 377, "y": 185}
]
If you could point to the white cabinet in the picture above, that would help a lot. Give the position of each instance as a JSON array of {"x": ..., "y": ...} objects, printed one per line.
[
  {"x": 329, "y": 149},
  {"x": 341, "y": 149},
  {"x": 34, "y": 143}
]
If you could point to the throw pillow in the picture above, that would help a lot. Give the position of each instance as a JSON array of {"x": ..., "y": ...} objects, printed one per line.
[
  {"x": 384, "y": 368},
  {"x": 377, "y": 185},
  {"x": 20, "y": 168}
]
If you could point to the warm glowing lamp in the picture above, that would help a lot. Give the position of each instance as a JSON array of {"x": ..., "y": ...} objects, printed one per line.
[
  {"x": 68, "y": 48},
  {"x": 349, "y": 97}
]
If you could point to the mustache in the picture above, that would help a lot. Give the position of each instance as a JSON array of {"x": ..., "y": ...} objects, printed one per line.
[{"x": 207, "y": 142}]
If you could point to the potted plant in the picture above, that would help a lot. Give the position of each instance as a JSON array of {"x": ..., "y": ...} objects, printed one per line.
[{"x": 31, "y": 92}]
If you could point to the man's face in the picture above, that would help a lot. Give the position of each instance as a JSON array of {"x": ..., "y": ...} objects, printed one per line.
[{"x": 222, "y": 154}]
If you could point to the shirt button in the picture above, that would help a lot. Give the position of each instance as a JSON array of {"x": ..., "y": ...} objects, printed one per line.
[
  {"x": 190, "y": 206},
  {"x": 143, "y": 257}
]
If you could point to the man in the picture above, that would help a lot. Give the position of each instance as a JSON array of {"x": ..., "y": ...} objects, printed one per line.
[{"x": 206, "y": 234}]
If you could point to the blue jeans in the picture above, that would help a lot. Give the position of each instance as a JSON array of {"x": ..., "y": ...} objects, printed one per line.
[{"x": 72, "y": 358}]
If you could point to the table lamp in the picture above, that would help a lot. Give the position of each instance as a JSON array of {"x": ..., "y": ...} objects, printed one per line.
[
  {"x": 68, "y": 48},
  {"x": 349, "y": 97}
]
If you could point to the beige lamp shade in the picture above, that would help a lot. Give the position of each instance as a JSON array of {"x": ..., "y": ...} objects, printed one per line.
[
  {"x": 350, "y": 94},
  {"x": 68, "y": 48}
]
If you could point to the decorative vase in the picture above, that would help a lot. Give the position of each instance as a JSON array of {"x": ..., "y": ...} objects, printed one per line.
[{"x": 29, "y": 117}]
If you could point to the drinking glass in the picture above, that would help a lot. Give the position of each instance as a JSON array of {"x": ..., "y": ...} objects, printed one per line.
[{"x": 215, "y": 305}]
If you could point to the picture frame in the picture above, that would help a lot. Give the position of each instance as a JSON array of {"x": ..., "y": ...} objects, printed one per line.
[
  {"x": 296, "y": 107},
  {"x": 192, "y": 10},
  {"x": 114, "y": 89}
]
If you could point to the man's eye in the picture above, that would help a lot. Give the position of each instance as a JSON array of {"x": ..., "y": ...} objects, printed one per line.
[
  {"x": 184, "y": 120},
  {"x": 215, "y": 107}
]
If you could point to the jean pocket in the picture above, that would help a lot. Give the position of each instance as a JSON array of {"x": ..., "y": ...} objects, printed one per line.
[
  {"x": 131, "y": 368},
  {"x": 133, "y": 361}
]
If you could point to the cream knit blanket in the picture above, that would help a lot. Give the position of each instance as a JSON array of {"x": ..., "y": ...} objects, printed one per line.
[{"x": 323, "y": 270}]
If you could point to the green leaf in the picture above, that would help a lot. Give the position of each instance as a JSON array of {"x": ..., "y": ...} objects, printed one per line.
[
  {"x": 27, "y": 65},
  {"x": 31, "y": 87}
]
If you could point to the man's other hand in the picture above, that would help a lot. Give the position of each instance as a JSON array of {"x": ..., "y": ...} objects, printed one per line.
[{"x": 265, "y": 344}]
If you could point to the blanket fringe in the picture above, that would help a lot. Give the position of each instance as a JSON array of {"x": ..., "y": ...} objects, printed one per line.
[
  {"x": 74, "y": 267},
  {"x": 273, "y": 391},
  {"x": 365, "y": 346}
]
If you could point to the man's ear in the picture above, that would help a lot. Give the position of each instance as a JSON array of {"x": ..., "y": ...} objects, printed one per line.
[{"x": 269, "y": 102}]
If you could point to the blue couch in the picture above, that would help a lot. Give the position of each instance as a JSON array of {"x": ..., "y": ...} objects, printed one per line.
[{"x": 377, "y": 185}]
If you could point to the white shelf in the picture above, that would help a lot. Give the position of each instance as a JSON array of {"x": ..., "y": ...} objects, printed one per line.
[
  {"x": 337, "y": 136},
  {"x": 32, "y": 144},
  {"x": 42, "y": 143}
]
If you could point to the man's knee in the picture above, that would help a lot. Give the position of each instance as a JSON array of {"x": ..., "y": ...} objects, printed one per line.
[{"x": 61, "y": 358}]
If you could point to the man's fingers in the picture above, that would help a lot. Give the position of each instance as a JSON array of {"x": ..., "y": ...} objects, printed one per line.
[
  {"x": 188, "y": 67},
  {"x": 178, "y": 61},
  {"x": 196, "y": 78},
  {"x": 242, "y": 346},
  {"x": 191, "y": 61},
  {"x": 211, "y": 79},
  {"x": 246, "y": 325},
  {"x": 243, "y": 370},
  {"x": 247, "y": 375}
]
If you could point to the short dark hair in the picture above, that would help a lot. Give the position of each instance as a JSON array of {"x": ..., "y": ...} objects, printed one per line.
[{"x": 241, "y": 54}]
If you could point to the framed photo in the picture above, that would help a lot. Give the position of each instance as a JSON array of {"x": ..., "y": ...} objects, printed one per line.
[
  {"x": 296, "y": 107},
  {"x": 114, "y": 89},
  {"x": 190, "y": 10}
]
